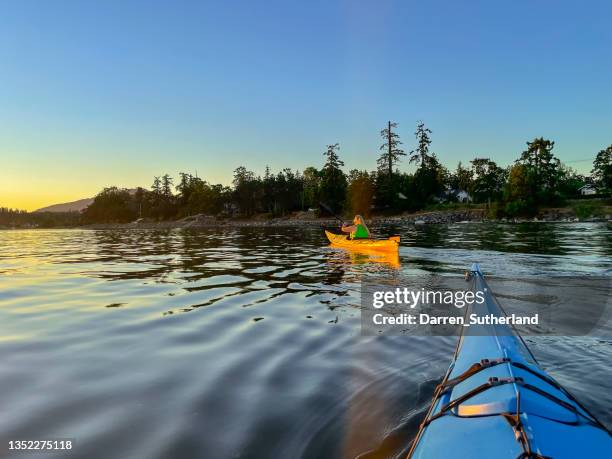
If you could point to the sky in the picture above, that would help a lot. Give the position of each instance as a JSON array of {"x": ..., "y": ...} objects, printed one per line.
[{"x": 94, "y": 94}]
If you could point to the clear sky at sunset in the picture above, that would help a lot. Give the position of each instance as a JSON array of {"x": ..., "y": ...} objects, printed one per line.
[{"x": 111, "y": 93}]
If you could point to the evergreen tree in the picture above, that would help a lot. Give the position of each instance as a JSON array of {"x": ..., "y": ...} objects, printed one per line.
[
  {"x": 156, "y": 187},
  {"x": 166, "y": 185},
  {"x": 186, "y": 188},
  {"x": 333, "y": 181},
  {"x": 390, "y": 149},
  {"x": 430, "y": 176},
  {"x": 269, "y": 185},
  {"x": 312, "y": 183},
  {"x": 290, "y": 189},
  {"x": 184, "y": 185},
  {"x": 421, "y": 155},
  {"x": 429, "y": 180},
  {"x": 156, "y": 205}
]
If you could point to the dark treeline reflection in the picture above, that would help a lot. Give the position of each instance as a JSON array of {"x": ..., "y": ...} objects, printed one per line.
[
  {"x": 298, "y": 260},
  {"x": 239, "y": 260}
]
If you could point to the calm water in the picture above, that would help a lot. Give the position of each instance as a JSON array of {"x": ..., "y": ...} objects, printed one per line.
[{"x": 246, "y": 343}]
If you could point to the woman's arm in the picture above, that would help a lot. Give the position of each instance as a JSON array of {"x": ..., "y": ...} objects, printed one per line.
[{"x": 348, "y": 229}]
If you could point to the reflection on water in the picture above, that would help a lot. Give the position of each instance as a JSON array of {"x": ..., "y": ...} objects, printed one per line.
[
  {"x": 245, "y": 343},
  {"x": 369, "y": 257}
]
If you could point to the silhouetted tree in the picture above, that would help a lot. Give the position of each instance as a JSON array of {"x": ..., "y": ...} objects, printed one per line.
[
  {"x": 156, "y": 187},
  {"x": 16, "y": 218},
  {"x": 542, "y": 166},
  {"x": 390, "y": 149},
  {"x": 518, "y": 196},
  {"x": 185, "y": 187},
  {"x": 462, "y": 178},
  {"x": 333, "y": 180},
  {"x": 420, "y": 155},
  {"x": 111, "y": 205},
  {"x": 488, "y": 180},
  {"x": 140, "y": 199},
  {"x": 312, "y": 184},
  {"x": 430, "y": 176},
  {"x": 429, "y": 180},
  {"x": 602, "y": 168},
  {"x": 166, "y": 185},
  {"x": 569, "y": 181},
  {"x": 247, "y": 189}
]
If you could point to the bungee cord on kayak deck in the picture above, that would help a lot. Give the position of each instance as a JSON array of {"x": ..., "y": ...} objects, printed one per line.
[{"x": 504, "y": 385}]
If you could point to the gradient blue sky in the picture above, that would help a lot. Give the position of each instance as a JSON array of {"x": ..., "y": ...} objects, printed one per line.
[{"x": 112, "y": 93}]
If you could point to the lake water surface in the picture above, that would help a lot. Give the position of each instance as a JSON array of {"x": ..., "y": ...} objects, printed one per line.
[{"x": 246, "y": 343}]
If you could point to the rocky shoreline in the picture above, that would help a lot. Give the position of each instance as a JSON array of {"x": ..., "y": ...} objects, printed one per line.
[{"x": 307, "y": 219}]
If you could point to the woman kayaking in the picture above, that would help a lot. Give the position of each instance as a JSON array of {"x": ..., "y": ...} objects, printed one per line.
[{"x": 358, "y": 230}]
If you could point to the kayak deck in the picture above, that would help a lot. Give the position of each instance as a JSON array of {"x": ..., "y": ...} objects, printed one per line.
[
  {"x": 384, "y": 245},
  {"x": 496, "y": 402}
]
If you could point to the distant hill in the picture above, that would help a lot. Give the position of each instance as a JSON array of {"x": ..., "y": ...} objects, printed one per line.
[{"x": 74, "y": 206}]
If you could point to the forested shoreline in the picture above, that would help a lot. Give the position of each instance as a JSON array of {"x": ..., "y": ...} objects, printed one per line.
[{"x": 536, "y": 179}]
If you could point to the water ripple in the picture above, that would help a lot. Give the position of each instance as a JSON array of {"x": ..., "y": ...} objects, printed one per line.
[{"x": 245, "y": 342}]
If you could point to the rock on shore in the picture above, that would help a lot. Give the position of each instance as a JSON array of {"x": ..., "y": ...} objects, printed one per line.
[
  {"x": 309, "y": 219},
  {"x": 298, "y": 219}
]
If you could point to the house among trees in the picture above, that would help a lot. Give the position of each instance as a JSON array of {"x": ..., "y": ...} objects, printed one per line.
[
  {"x": 454, "y": 195},
  {"x": 462, "y": 196},
  {"x": 587, "y": 190}
]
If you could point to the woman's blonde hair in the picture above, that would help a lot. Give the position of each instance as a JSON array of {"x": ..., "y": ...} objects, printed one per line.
[{"x": 362, "y": 222}]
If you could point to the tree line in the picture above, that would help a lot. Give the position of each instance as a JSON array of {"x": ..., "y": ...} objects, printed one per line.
[
  {"x": 22, "y": 218},
  {"x": 535, "y": 179}
]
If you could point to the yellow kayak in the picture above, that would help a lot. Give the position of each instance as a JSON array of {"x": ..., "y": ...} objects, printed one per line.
[{"x": 381, "y": 245}]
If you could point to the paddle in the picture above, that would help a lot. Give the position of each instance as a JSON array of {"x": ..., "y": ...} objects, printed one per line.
[{"x": 328, "y": 209}]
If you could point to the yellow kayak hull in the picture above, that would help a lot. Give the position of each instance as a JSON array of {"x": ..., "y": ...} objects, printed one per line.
[{"x": 378, "y": 245}]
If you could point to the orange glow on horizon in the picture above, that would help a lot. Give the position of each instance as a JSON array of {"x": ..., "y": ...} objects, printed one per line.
[{"x": 33, "y": 196}]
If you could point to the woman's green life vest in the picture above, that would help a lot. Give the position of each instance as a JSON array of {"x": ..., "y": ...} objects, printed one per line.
[{"x": 360, "y": 232}]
